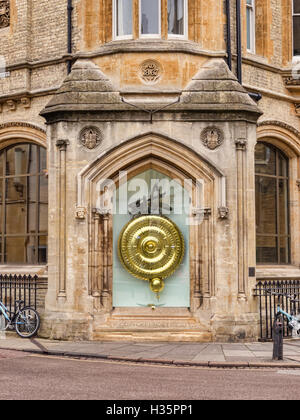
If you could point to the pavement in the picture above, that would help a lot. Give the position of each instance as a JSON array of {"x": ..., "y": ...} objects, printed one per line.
[{"x": 239, "y": 355}]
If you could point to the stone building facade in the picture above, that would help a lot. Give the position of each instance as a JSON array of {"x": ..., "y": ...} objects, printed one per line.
[{"x": 102, "y": 98}]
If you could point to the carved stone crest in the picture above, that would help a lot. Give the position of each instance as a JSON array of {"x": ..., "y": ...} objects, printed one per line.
[
  {"x": 150, "y": 71},
  {"x": 90, "y": 137},
  {"x": 212, "y": 137},
  {"x": 4, "y": 13}
]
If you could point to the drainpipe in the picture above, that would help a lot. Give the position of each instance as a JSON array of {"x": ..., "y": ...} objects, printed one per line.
[
  {"x": 228, "y": 32},
  {"x": 70, "y": 9}
]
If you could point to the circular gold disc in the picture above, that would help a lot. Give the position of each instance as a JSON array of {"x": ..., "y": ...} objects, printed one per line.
[{"x": 151, "y": 247}]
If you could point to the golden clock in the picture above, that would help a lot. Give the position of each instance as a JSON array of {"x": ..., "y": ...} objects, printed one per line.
[{"x": 151, "y": 248}]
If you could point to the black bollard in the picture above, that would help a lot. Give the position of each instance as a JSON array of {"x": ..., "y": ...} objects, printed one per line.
[{"x": 278, "y": 339}]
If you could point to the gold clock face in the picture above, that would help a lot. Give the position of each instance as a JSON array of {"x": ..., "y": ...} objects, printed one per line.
[{"x": 151, "y": 247}]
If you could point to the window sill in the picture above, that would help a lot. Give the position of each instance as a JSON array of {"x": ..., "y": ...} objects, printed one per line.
[
  {"x": 143, "y": 45},
  {"x": 277, "y": 272}
]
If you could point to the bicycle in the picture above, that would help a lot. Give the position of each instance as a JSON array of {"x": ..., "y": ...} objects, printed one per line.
[
  {"x": 25, "y": 320},
  {"x": 293, "y": 321}
]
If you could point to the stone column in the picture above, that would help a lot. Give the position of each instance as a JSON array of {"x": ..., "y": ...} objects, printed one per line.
[
  {"x": 204, "y": 285},
  {"x": 62, "y": 148},
  {"x": 208, "y": 284},
  {"x": 105, "y": 295},
  {"x": 241, "y": 146},
  {"x": 99, "y": 264},
  {"x": 197, "y": 216},
  {"x": 96, "y": 285}
]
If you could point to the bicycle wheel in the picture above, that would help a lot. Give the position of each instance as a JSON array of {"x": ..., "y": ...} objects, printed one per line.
[{"x": 27, "y": 322}]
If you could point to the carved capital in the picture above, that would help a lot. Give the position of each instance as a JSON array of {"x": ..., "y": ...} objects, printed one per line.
[
  {"x": 297, "y": 109},
  {"x": 104, "y": 212},
  {"x": 201, "y": 212},
  {"x": 62, "y": 145},
  {"x": 241, "y": 144}
]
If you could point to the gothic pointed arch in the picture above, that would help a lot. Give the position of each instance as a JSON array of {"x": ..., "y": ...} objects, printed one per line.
[
  {"x": 166, "y": 153},
  {"x": 176, "y": 161}
]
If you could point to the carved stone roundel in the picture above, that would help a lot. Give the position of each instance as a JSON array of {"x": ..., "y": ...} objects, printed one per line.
[
  {"x": 212, "y": 137},
  {"x": 150, "y": 71},
  {"x": 90, "y": 137}
]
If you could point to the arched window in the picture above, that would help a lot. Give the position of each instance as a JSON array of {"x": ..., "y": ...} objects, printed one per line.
[
  {"x": 272, "y": 205},
  {"x": 23, "y": 204}
]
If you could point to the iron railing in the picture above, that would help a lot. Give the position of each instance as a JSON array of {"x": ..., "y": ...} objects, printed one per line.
[
  {"x": 271, "y": 293},
  {"x": 30, "y": 289}
]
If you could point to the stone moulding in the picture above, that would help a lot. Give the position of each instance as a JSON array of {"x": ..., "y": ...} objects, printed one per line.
[
  {"x": 280, "y": 124},
  {"x": 21, "y": 124}
]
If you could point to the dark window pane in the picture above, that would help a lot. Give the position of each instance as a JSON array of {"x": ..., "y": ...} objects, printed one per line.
[
  {"x": 32, "y": 210},
  {"x": 265, "y": 160},
  {"x": 43, "y": 218},
  {"x": 43, "y": 159},
  {"x": 21, "y": 160},
  {"x": 1, "y": 204},
  {"x": 283, "y": 165},
  {"x": 296, "y": 35},
  {"x": 296, "y": 6},
  {"x": 43, "y": 189},
  {"x": 176, "y": 17},
  {"x": 20, "y": 250},
  {"x": 266, "y": 215},
  {"x": 266, "y": 251},
  {"x": 32, "y": 195},
  {"x": 284, "y": 250},
  {"x": 1, "y": 220},
  {"x": 149, "y": 17},
  {"x": 1, "y": 163},
  {"x": 16, "y": 189},
  {"x": 283, "y": 209},
  {"x": 43, "y": 248},
  {"x": 15, "y": 218}
]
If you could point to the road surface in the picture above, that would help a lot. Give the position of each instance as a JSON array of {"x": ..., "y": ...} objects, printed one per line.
[{"x": 32, "y": 377}]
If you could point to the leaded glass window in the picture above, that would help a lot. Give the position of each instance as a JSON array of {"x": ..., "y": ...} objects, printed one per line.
[
  {"x": 23, "y": 205},
  {"x": 272, "y": 205}
]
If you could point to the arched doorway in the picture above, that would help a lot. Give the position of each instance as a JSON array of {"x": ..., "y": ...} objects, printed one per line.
[{"x": 168, "y": 160}]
